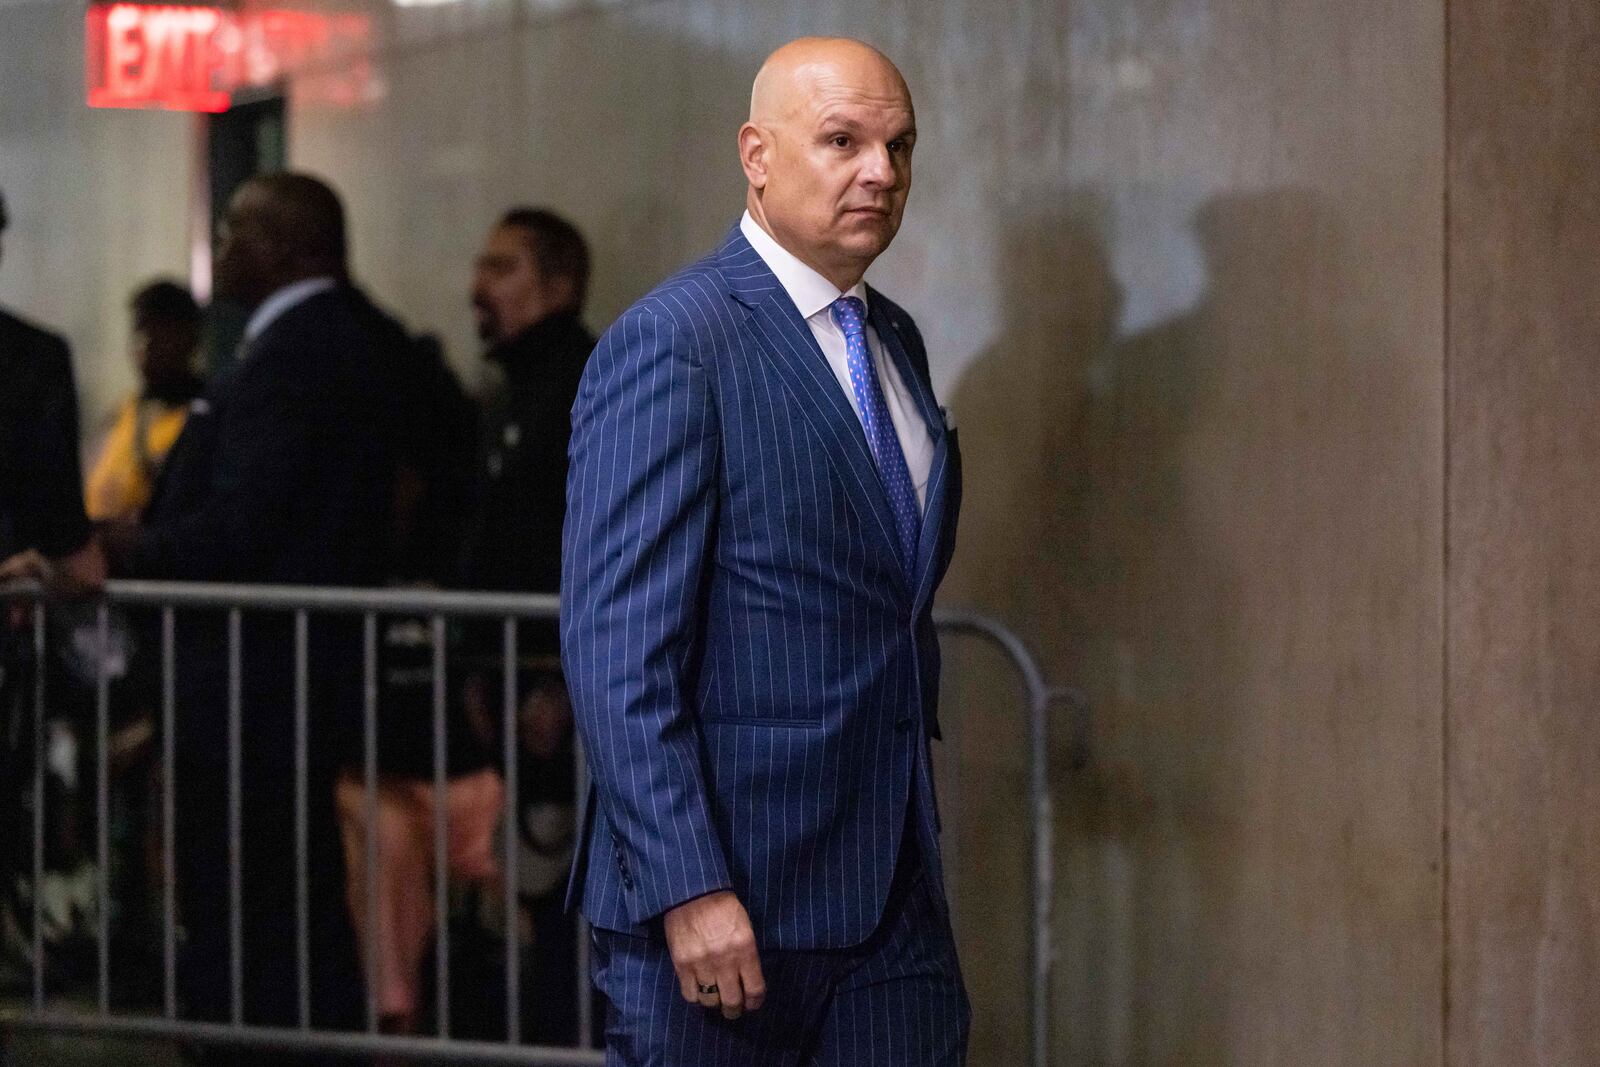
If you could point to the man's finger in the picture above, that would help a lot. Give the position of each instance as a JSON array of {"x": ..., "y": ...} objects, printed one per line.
[
  {"x": 687, "y": 985},
  {"x": 731, "y": 991},
  {"x": 753, "y": 983},
  {"x": 708, "y": 994}
]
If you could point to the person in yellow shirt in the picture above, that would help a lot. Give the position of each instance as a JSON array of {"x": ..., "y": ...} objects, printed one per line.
[{"x": 166, "y": 338}]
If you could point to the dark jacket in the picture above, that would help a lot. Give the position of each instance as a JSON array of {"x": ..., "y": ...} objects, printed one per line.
[
  {"x": 41, "y": 484},
  {"x": 438, "y": 466},
  {"x": 284, "y": 473},
  {"x": 527, "y": 424}
]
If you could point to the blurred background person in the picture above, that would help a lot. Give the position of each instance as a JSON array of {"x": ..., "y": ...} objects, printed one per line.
[
  {"x": 44, "y": 535},
  {"x": 284, "y": 474},
  {"x": 437, "y": 449},
  {"x": 43, "y": 528},
  {"x": 165, "y": 344},
  {"x": 528, "y": 291},
  {"x": 166, "y": 341}
]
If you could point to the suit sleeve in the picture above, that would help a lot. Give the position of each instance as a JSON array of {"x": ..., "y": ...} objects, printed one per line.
[
  {"x": 263, "y": 449},
  {"x": 641, "y": 506},
  {"x": 54, "y": 487}
]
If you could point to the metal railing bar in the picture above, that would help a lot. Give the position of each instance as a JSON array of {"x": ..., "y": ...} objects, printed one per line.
[
  {"x": 441, "y": 840},
  {"x": 1041, "y": 815},
  {"x": 312, "y": 598},
  {"x": 512, "y": 843},
  {"x": 102, "y": 807},
  {"x": 235, "y": 809},
  {"x": 971, "y": 622},
  {"x": 369, "y": 741},
  {"x": 440, "y": 605},
  {"x": 169, "y": 833},
  {"x": 38, "y": 805},
  {"x": 302, "y": 864}
]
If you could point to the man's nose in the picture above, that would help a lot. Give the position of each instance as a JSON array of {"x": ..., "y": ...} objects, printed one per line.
[{"x": 877, "y": 169}]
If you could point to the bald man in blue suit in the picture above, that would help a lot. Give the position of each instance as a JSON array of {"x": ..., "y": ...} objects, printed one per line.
[{"x": 761, "y": 503}]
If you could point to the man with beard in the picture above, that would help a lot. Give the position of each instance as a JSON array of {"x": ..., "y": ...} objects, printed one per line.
[{"x": 528, "y": 292}]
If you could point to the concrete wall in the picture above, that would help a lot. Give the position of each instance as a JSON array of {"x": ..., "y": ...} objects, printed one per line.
[
  {"x": 1269, "y": 325},
  {"x": 98, "y": 200},
  {"x": 1524, "y": 588}
]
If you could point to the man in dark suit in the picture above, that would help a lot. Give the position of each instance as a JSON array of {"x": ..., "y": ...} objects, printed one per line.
[
  {"x": 285, "y": 473},
  {"x": 762, "y": 501},
  {"x": 44, "y": 532},
  {"x": 44, "y": 535}
]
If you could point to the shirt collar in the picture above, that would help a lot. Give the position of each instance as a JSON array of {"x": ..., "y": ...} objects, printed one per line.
[
  {"x": 282, "y": 300},
  {"x": 810, "y": 291}
]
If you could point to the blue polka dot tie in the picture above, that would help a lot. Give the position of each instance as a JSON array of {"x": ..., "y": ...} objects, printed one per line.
[{"x": 848, "y": 312}]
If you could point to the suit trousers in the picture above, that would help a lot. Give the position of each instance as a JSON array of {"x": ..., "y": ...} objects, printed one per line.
[
  {"x": 269, "y": 964},
  {"x": 896, "y": 1000}
]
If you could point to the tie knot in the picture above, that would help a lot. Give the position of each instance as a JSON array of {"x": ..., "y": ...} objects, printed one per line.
[{"x": 849, "y": 311}]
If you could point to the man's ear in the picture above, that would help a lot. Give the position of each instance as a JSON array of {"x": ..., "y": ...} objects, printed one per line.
[{"x": 755, "y": 146}]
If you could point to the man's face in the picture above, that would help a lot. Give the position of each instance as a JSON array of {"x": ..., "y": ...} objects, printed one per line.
[
  {"x": 162, "y": 347},
  {"x": 509, "y": 294},
  {"x": 840, "y": 168},
  {"x": 249, "y": 260}
]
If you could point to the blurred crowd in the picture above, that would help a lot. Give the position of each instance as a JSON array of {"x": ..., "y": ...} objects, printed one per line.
[{"x": 333, "y": 448}]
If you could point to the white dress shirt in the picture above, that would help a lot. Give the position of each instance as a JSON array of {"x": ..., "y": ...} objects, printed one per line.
[
  {"x": 813, "y": 297},
  {"x": 281, "y": 301}
]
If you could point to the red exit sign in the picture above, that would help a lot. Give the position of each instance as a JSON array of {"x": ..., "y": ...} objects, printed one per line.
[
  {"x": 154, "y": 57},
  {"x": 193, "y": 58}
]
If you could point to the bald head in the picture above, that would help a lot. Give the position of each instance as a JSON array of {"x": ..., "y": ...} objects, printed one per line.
[
  {"x": 793, "y": 74},
  {"x": 827, "y": 153},
  {"x": 279, "y": 228},
  {"x": 304, "y": 212}
]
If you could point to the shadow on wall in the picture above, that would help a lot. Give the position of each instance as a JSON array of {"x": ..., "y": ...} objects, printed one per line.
[{"x": 1143, "y": 509}]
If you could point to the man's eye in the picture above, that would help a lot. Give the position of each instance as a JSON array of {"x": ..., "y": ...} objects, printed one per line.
[{"x": 840, "y": 140}]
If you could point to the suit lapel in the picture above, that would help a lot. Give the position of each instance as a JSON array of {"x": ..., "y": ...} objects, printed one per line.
[
  {"x": 933, "y": 510},
  {"x": 792, "y": 351}
]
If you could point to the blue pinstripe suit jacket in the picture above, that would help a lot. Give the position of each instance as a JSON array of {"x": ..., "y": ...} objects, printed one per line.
[{"x": 753, "y": 670}]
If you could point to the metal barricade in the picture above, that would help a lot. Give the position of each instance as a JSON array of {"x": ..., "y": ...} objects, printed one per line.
[{"x": 300, "y": 602}]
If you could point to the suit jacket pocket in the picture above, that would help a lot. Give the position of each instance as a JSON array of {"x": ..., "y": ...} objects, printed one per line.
[{"x": 762, "y": 720}]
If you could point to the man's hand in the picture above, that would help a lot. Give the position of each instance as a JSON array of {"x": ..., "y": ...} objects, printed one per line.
[
  {"x": 80, "y": 574},
  {"x": 29, "y": 565},
  {"x": 713, "y": 949}
]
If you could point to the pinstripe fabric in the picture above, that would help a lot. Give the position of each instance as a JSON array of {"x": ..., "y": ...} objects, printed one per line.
[
  {"x": 897, "y": 1000},
  {"x": 753, "y": 671}
]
